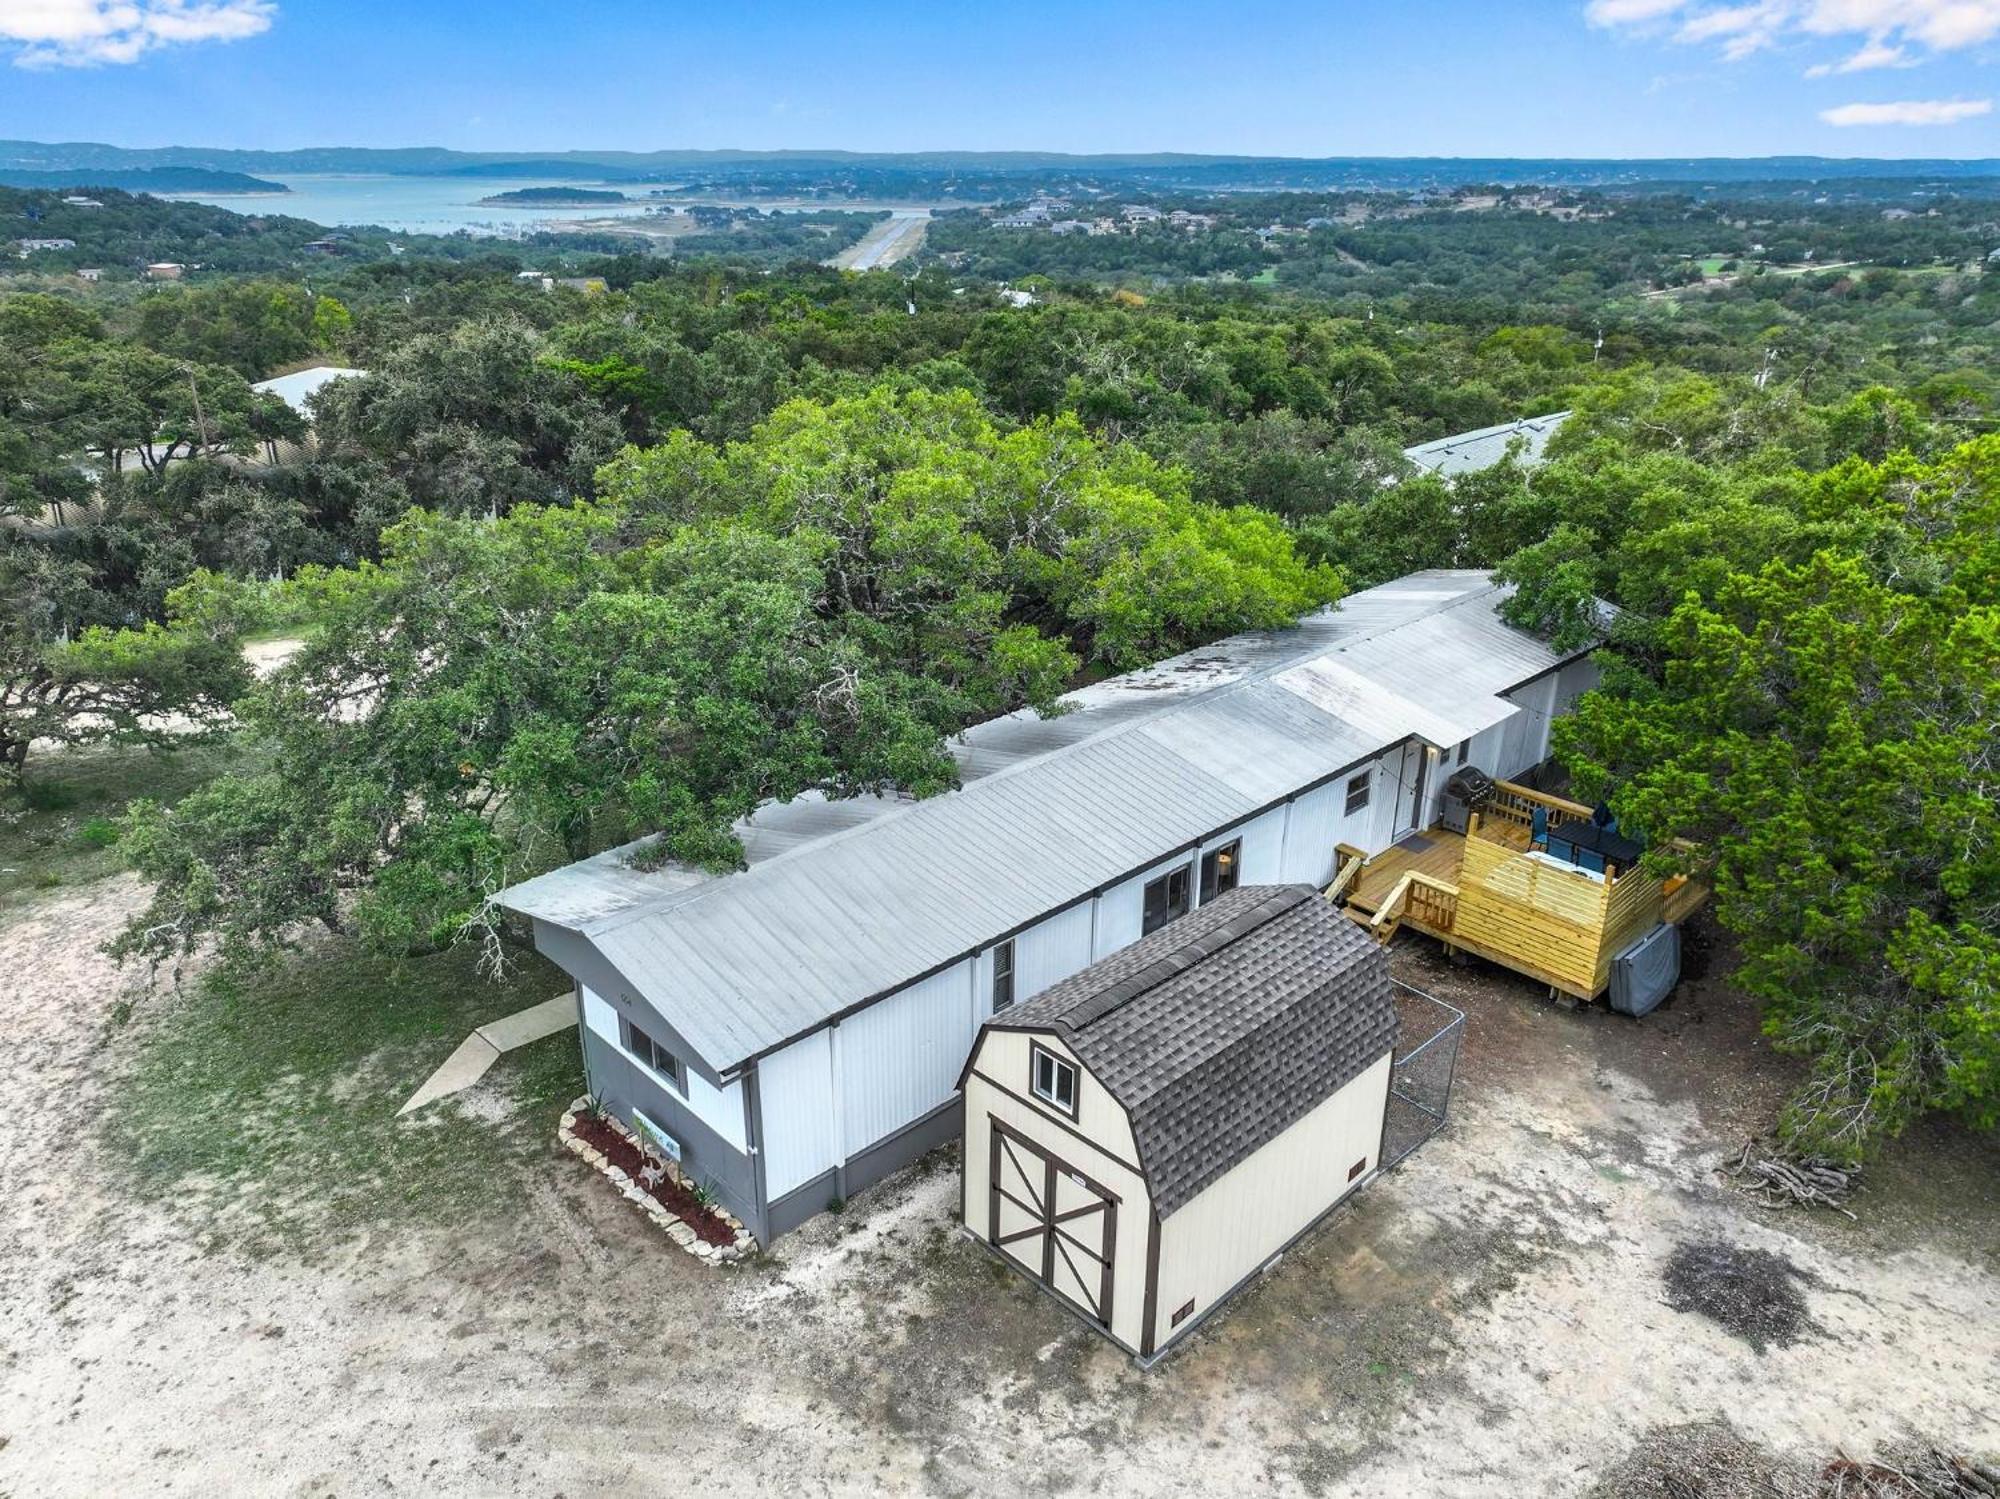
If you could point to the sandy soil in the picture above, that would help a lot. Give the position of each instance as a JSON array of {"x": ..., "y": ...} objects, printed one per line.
[{"x": 1488, "y": 1318}]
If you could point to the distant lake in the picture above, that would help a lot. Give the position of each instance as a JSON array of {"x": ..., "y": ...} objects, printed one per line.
[
  {"x": 419, "y": 205},
  {"x": 441, "y": 205}
]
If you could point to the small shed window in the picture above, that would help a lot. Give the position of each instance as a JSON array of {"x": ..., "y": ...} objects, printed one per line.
[
  {"x": 1166, "y": 900},
  {"x": 1357, "y": 793},
  {"x": 1464, "y": 750},
  {"x": 1219, "y": 870},
  {"x": 1052, "y": 1079},
  {"x": 1003, "y": 975},
  {"x": 656, "y": 1057}
]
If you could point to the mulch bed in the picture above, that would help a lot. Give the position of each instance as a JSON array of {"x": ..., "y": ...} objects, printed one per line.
[
  {"x": 1752, "y": 1292},
  {"x": 669, "y": 1193}
]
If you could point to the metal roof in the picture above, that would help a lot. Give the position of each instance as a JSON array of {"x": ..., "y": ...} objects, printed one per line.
[
  {"x": 844, "y": 901},
  {"x": 1223, "y": 1029},
  {"x": 300, "y": 386},
  {"x": 1468, "y": 452}
]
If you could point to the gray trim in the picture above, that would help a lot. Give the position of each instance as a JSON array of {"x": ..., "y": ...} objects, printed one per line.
[
  {"x": 863, "y": 1170},
  {"x": 753, "y": 1131},
  {"x": 577, "y": 956},
  {"x": 623, "y": 1085}
]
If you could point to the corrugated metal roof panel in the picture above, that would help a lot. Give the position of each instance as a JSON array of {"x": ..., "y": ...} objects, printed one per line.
[
  {"x": 845, "y": 901},
  {"x": 1469, "y": 452}
]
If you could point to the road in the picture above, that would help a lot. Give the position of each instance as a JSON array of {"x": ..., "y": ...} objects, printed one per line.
[{"x": 888, "y": 242}]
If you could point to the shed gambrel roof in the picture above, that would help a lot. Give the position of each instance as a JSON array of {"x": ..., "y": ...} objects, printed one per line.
[
  {"x": 1223, "y": 1029},
  {"x": 843, "y": 902}
]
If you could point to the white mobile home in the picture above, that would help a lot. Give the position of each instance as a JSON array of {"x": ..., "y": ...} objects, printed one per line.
[
  {"x": 796, "y": 1029},
  {"x": 1143, "y": 1137}
]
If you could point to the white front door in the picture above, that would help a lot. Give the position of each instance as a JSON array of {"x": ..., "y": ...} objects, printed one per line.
[{"x": 1410, "y": 790}]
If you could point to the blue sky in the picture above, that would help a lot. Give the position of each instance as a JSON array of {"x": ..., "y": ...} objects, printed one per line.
[{"x": 1422, "y": 77}]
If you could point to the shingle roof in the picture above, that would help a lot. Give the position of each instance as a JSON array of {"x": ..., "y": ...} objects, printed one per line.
[
  {"x": 1223, "y": 1029},
  {"x": 845, "y": 901}
]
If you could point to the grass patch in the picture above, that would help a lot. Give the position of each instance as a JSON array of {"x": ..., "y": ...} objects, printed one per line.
[
  {"x": 263, "y": 1105},
  {"x": 58, "y": 828}
]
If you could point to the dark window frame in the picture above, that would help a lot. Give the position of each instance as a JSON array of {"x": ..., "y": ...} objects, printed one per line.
[
  {"x": 1360, "y": 790},
  {"x": 1212, "y": 872},
  {"x": 1059, "y": 1067},
  {"x": 1464, "y": 750},
  {"x": 1002, "y": 997},
  {"x": 1170, "y": 909},
  {"x": 650, "y": 1054}
]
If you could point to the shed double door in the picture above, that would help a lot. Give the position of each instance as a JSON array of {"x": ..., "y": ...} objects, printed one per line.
[{"x": 1052, "y": 1220}]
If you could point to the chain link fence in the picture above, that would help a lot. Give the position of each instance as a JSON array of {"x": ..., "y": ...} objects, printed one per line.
[{"x": 1420, "y": 1077}]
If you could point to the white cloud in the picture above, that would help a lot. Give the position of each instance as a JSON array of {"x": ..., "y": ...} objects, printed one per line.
[
  {"x": 1875, "y": 54},
  {"x": 1908, "y": 112},
  {"x": 1888, "y": 28},
  {"x": 86, "y": 33}
]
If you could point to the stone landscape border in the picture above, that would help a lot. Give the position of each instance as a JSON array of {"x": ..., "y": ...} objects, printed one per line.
[{"x": 675, "y": 1226}]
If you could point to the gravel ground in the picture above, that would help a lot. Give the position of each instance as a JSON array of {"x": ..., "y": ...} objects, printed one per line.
[{"x": 1488, "y": 1318}]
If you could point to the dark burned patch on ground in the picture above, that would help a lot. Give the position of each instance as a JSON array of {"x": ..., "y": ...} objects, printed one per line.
[
  {"x": 1698, "y": 1460},
  {"x": 1751, "y": 1292}
]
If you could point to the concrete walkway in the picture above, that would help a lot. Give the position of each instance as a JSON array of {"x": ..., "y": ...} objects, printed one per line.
[{"x": 480, "y": 1050}]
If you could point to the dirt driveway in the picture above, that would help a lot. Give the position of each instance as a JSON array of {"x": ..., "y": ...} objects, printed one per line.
[{"x": 1489, "y": 1318}]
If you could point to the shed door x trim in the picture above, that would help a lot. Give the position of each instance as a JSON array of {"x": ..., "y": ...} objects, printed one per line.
[{"x": 1051, "y": 1219}]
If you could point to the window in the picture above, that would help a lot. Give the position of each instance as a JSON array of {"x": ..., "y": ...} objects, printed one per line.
[
  {"x": 1052, "y": 1079},
  {"x": 1166, "y": 900},
  {"x": 1464, "y": 750},
  {"x": 1357, "y": 792},
  {"x": 1357, "y": 1168},
  {"x": 1219, "y": 869},
  {"x": 1003, "y": 975},
  {"x": 657, "y": 1058}
]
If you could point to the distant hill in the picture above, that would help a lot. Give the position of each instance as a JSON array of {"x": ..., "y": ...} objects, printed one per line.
[
  {"x": 141, "y": 179},
  {"x": 1160, "y": 168},
  {"x": 556, "y": 196}
]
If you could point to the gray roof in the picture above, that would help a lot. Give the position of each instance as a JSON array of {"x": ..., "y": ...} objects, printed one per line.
[
  {"x": 299, "y": 387},
  {"x": 1468, "y": 452},
  {"x": 844, "y": 901},
  {"x": 1224, "y": 1028}
]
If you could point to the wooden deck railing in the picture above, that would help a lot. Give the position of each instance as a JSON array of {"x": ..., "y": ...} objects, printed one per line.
[
  {"x": 1432, "y": 904},
  {"x": 1516, "y": 805}
]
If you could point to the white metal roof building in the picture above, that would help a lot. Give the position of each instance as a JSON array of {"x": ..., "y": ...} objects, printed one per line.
[
  {"x": 1468, "y": 452},
  {"x": 297, "y": 388},
  {"x": 796, "y": 1028}
]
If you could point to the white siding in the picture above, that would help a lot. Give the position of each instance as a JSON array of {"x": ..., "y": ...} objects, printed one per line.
[
  {"x": 795, "y": 1092},
  {"x": 1051, "y": 950},
  {"x": 1527, "y": 740},
  {"x": 1121, "y": 909},
  {"x": 899, "y": 1058},
  {"x": 1573, "y": 681},
  {"x": 1263, "y": 856},
  {"x": 1253, "y": 1210},
  {"x": 721, "y": 1109}
]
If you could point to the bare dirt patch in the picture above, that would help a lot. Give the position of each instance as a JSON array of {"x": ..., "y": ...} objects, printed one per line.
[{"x": 340, "y": 1303}]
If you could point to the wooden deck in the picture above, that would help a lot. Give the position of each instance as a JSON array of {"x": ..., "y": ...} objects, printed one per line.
[
  {"x": 1436, "y": 853},
  {"x": 1480, "y": 895}
]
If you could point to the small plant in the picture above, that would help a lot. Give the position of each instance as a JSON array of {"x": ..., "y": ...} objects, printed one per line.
[
  {"x": 47, "y": 879},
  {"x": 48, "y": 796},
  {"x": 99, "y": 832},
  {"x": 836, "y": 1204},
  {"x": 702, "y": 1192}
]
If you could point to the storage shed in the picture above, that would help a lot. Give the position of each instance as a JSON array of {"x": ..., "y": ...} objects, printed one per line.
[{"x": 1142, "y": 1137}]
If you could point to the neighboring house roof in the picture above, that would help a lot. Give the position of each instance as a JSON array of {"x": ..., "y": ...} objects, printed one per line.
[
  {"x": 300, "y": 386},
  {"x": 844, "y": 901},
  {"x": 1468, "y": 452},
  {"x": 1223, "y": 1029}
]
